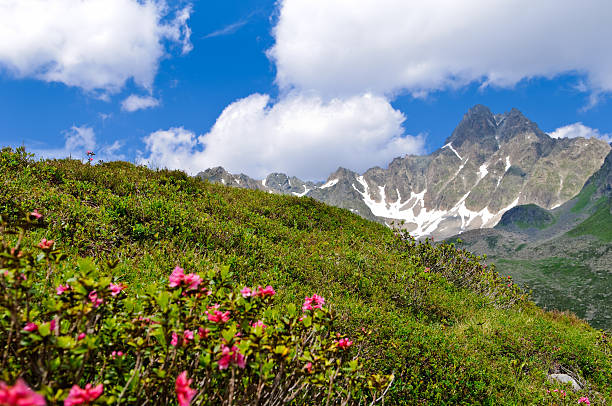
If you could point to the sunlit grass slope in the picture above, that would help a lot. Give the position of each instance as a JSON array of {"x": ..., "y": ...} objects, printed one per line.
[{"x": 451, "y": 330}]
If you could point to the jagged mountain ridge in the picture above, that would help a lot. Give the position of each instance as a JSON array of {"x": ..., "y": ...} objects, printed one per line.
[
  {"x": 489, "y": 164},
  {"x": 563, "y": 254}
]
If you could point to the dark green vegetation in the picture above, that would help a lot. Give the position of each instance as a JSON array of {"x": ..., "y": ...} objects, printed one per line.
[
  {"x": 527, "y": 216},
  {"x": 455, "y": 333},
  {"x": 564, "y": 255}
]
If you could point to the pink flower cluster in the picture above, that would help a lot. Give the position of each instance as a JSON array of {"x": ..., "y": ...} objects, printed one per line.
[
  {"x": 95, "y": 300},
  {"x": 259, "y": 323},
  {"x": 231, "y": 356},
  {"x": 20, "y": 395},
  {"x": 216, "y": 316},
  {"x": 314, "y": 302},
  {"x": 184, "y": 393},
  {"x": 36, "y": 214},
  {"x": 178, "y": 278},
  {"x": 116, "y": 354},
  {"x": 116, "y": 288},
  {"x": 45, "y": 244},
  {"x": 584, "y": 400},
  {"x": 83, "y": 396},
  {"x": 344, "y": 343},
  {"x": 62, "y": 288}
]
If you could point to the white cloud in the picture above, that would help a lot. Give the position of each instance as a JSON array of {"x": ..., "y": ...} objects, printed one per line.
[
  {"x": 96, "y": 45},
  {"x": 79, "y": 140},
  {"x": 579, "y": 130},
  {"x": 135, "y": 102},
  {"x": 345, "y": 47},
  {"x": 300, "y": 135}
]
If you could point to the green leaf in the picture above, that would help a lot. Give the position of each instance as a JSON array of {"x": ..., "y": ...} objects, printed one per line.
[{"x": 44, "y": 329}]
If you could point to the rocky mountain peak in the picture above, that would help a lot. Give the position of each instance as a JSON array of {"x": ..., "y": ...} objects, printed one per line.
[
  {"x": 514, "y": 123},
  {"x": 477, "y": 124}
]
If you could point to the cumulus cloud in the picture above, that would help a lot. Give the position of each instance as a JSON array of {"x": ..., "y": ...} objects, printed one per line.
[
  {"x": 302, "y": 135},
  {"x": 77, "y": 141},
  {"x": 385, "y": 46},
  {"x": 580, "y": 130},
  {"x": 135, "y": 102},
  {"x": 96, "y": 45}
]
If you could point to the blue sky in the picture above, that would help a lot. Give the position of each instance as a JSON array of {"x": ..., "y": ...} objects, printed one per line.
[{"x": 306, "y": 86}]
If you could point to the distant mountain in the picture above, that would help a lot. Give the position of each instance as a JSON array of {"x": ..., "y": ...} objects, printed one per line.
[
  {"x": 564, "y": 254},
  {"x": 488, "y": 165}
]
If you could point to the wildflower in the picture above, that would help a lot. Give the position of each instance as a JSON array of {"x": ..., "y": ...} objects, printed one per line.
[
  {"x": 316, "y": 299},
  {"x": 45, "y": 244},
  {"x": 344, "y": 343},
  {"x": 267, "y": 291},
  {"x": 218, "y": 317},
  {"x": 83, "y": 396},
  {"x": 188, "y": 335},
  {"x": 584, "y": 400},
  {"x": 116, "y": 354},
  {"x": 183, "y": 392},
  {"x": 62, "y": 288},
  {"x": 31, "y": 327},
  {"x": 308, "y": 367},
  {"x": 116, "y": 288},
  {"x": 36, "y": 214},
  {"x": 246, "y": 292},
  {"x": 259, "y": 323},
  {"x": 203, "y": 332},
  {"x": 81, "y": 336},
  {"x": 93, "y": 297},
  {"x": 20, "y": 394},
  {"x": 174, "y": 341},
  {"x": 231, "y": 356},
  {"x": 427, "y": 269},
  {"x": 192, "y": 280},
  {"x": 176, "y": 277}
]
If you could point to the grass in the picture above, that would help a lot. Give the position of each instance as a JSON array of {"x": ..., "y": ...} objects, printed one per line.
[
  {"x": 452, "y": 335},
  {"x": 584, "y": 197},
  {"x": 598, "y": 224}
]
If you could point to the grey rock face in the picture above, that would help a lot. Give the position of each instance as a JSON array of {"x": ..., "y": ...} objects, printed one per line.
[
  {"x": 489, "y": 164},
  {"x": 564, "y": 378}
]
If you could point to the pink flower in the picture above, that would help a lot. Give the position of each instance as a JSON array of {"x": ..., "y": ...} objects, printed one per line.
[
  {"x": 20, "y": 395},
  {"x": 218, "y": 317},
  {"x": 31, "y": 327},
  {"x": 192, "y": 280},
  {"x": 81, "y": 336},
  {"x": 246, "y": 292},
  {"x": 93, "y": 296},
  {"x": 584, "y": 400},
  {"x": 36, "y": 214},
  {"x": 62, "y": 288},
  {"x": 427, "y": 270},
  {"x": 52, "y": 325},
  {"x": 267, "y": 291},
  {"x": 45, "y": 244},
  {"x": 188, "y": 335},
  {"x": 344, "y": 343},
  {"x": 317, "y": 300},
  {"x": 174, "y": 341},
  {"x": 203, "y": 332},
  {"x": 183, "y": 392},
  {"x": 116, "y": 288},
  {"x": 259, "y": 323},
  {"x": 176, "y": 277},
  {"x": 78, "y": 396},
  {"x": 116, "y": 354},
  {"x": 308, "y": 367},
  {"x": 231, "y": 356}
]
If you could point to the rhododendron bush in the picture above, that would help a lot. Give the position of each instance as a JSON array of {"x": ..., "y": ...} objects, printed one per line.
[{"x": 73, "y": 335}]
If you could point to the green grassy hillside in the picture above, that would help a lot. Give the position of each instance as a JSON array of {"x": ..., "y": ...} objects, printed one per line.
[{"x": 452, "y": 330}]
